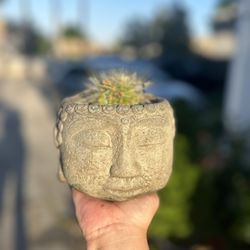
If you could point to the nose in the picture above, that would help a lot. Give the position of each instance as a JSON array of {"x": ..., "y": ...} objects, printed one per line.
[{"x": 124, "y": 166}]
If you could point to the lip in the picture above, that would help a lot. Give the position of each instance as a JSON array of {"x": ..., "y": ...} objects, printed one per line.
[
  {"x": 123, "y": 190},
  {"x": 124, "y": 194},
  {"x": 125, "y": 185}
]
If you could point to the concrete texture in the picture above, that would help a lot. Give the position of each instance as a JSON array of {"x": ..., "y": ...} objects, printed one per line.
[{"x": 115, "y": 152}]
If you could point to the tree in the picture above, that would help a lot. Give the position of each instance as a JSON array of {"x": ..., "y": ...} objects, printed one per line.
[
  {"x": 24, "y": 6},
  {"x": 28, "y": 40},
  {"x": 225, "y": 16},
  {"x": 1, "y": 2},
  {"x": 168, "y": 29},
  {"x": 72, "y": 32},
  {"x": 225, "y": 3},
  {"x": 136, "y": 33}
]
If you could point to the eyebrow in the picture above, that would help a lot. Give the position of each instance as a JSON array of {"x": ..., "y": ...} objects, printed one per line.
[
  {"x": 91, "y": 122},
  {"x": 151, "y": 121}
]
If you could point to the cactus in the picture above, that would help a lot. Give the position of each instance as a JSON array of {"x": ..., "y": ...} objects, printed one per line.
[{"x": 117, "y": 87}]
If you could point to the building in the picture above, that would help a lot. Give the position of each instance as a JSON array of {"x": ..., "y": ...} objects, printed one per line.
[
  {"x": 64, "y": 47},
  {"x": 216, "y": 46}
]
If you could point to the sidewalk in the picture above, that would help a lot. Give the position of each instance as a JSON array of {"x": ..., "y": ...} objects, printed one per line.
[{"x": 35, "y": 209}]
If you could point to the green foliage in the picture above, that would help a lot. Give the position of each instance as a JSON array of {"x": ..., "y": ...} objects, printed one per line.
[
  {"x": 136, "y": 33},
  {"x": 172, "y": 31},
  {"x": 228, "y": 10},
  {"x": 33, "y": 42},
  {"x": 43, "y": 45},
  {"x": 168, "y": 29},
  {"x": 221, "y": 204},
  {"x": 72, "y": 32},
  {"x": 117, "y": 87},
  {"x": 241, "y": 226},
  {"x": 207, "y": 202},
  {"x": 226, "y": 3},
  {"x": 173, "y": 216}
]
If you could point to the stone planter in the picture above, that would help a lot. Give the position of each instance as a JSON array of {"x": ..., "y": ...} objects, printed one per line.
[{"x": 115, "y": 152}]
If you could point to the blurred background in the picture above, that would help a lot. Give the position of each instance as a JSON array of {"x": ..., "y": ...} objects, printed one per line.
[{"x": 198, "y": 55}]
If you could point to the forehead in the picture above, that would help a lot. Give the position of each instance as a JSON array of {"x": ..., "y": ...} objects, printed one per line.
[
  {"x": 128, "y": 125},
  {"x": 112, "y": 116},
  {"x": 116, "y": 120}
]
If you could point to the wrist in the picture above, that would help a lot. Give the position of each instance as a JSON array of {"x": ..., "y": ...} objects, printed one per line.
[{"x": 117, "y": 237}]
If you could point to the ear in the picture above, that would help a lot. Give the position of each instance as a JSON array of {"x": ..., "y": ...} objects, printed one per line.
[
  {"x": 56, "y": 136},
  {"x": 61, "y": 175}
]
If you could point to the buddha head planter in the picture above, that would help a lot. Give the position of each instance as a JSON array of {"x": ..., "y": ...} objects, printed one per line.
[{"x": 115, "y": 151}]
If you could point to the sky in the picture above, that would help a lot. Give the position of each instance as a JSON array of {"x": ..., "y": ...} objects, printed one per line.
[{"x": 105, "y": 20}]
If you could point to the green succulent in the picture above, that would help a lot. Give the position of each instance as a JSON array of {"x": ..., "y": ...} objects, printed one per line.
[{"x": 117, "y": 87}]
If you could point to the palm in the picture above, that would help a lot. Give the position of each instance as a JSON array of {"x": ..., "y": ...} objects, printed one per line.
[{"x": 94, "y": 214}]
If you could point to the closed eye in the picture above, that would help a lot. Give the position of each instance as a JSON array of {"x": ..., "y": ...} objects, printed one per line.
[
  {"x": 93, "y": 138},
  {"x": 149, "y": 137}
]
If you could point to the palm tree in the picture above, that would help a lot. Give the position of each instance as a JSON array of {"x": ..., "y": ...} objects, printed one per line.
[
  {"x": 1, "y": 8},
  {"x": 25, "y": 11},
  {"x": 83, "y": 15},
  {"x": 56, "y": 12}
]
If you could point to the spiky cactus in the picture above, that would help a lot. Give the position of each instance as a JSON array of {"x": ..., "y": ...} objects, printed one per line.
[{"x": 117, "y": 87}]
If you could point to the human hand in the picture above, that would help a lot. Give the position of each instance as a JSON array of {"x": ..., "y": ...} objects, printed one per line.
[{"x": 115, "y": 225}]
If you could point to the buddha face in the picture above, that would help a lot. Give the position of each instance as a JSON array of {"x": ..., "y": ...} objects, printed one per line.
[{"x": 116, "y": 156}]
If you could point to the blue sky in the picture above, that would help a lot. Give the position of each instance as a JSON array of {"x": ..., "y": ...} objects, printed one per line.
[{"x": 105, "y": 19}]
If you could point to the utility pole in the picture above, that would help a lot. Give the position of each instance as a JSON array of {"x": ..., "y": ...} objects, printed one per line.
[
  {"x": 83, "y": 15},
  {"x": 1, "y": 8},
  {"x": 56, "y": 13},
  {"x": 236, "y": 110},
  {"x": 25, "y": 11}
]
